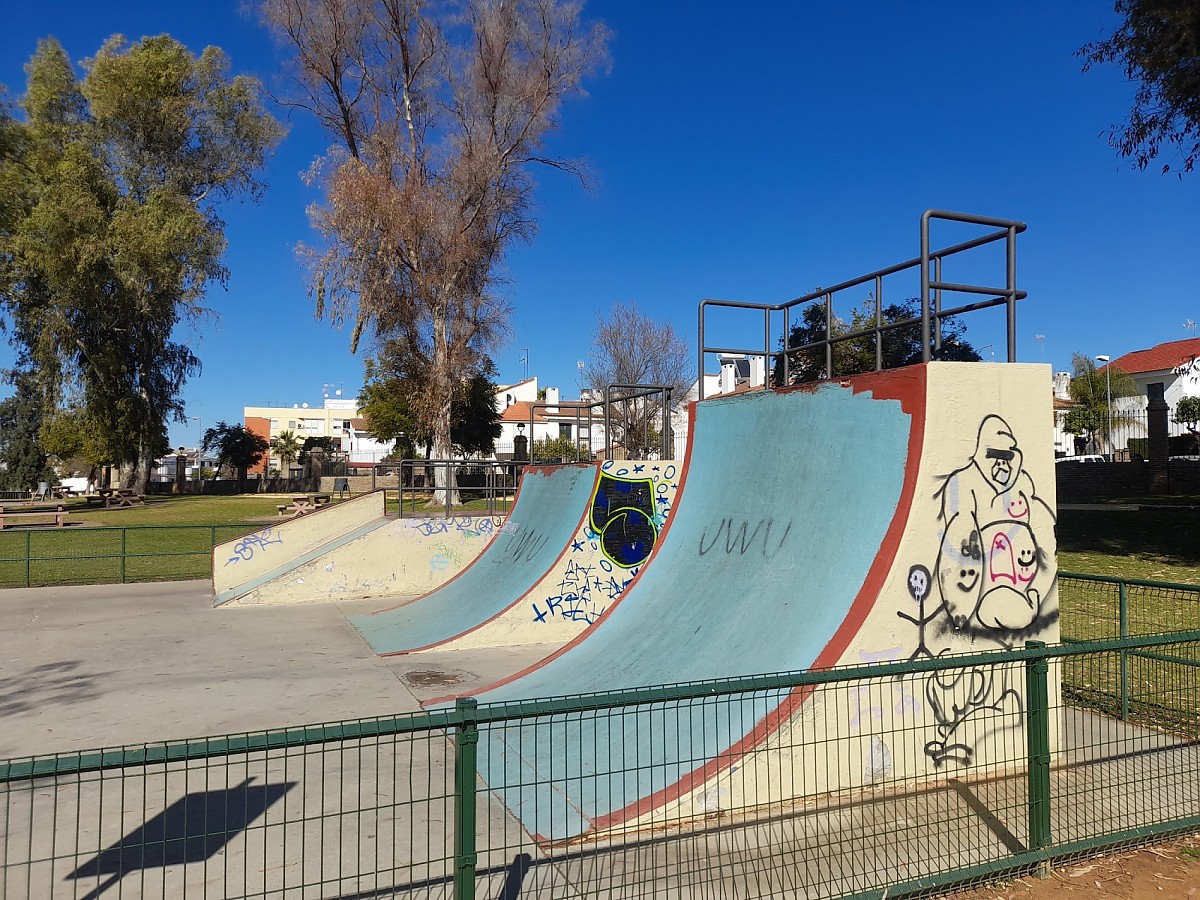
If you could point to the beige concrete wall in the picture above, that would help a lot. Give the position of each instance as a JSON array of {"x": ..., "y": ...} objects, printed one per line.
[
  {"x": 244, "y": 559},
  {"x": 974, "y": 570},
  {"x": 586, "y": 578},
  {"x": 402, "y": 558}
]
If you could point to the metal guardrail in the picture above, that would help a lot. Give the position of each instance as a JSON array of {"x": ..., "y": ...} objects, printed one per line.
[
  {"x": 111, "y": 554},
  {"x": 427, "y": 479},
  {"x": 933, "y": 289},
  {"x": 391, "y": 806}
]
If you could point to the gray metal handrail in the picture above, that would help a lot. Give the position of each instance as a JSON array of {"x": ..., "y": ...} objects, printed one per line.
[{"x": 933, "y": 313}]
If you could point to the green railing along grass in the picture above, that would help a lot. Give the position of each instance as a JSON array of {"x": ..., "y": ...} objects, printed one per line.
[
  {"x": 397, "y": 806},
  {"x": 111, "y": 555}
]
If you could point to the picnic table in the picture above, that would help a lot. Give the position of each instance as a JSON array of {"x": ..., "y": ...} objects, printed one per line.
[
  {"x": 118, "y": 498},
  {"x": 22, "y": 511},
  {"x": 302, "y": 504}
]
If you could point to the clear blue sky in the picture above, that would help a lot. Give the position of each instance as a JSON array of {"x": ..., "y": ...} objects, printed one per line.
[{"x": 748, "y": 151}]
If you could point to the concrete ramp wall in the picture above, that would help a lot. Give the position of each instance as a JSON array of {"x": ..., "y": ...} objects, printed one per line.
[
  {"x": 242, "y": 561},
  {"x": 401, "y": 558},
  {"x": 888, "y": 517},
  {"x": 550, "y": 504},
  {"x": 627, "y": 513}
]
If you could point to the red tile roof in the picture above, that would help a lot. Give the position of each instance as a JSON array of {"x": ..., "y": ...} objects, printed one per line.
[
  {"x": 1160, "y": 358},
  {"x": 518, "y": 411}
]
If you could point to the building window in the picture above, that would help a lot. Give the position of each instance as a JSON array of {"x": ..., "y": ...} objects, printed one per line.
[
  {"x": 564, "y": 430},
  {"x": 274, "y": 424},
  {"x": 292, "y": 425}
]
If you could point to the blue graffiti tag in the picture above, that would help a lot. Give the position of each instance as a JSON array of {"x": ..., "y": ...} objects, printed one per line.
[{"x": 247, "y": 546}]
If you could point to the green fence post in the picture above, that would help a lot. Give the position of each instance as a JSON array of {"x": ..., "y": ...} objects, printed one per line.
[
  {"x": 28, "y": 556},
  {"x": 466, "y": 743},
  {"x": 1123, "y": 613},
  {"x": 122, "y": 556},
  {"x": 1037, "y": 741}
]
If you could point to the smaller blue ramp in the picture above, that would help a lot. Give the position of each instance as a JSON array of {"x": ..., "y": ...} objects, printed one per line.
[{"x": 549, "y": 510}]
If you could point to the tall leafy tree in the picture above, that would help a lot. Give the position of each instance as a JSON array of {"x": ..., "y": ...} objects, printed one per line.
[
  {"x": 1187, "y": 413},
  {"x": 117, "y": 237},
  {"x": 1158, "y": 46},
  {"x": 901, "y": 346},
  {"x": 395, "y": 386},
  {"x": 439, "y": 111},
  {"x": 287, "y": 447},
  {"x": 1095, "y": 392},
  {"x": 236, "y": 446},
  {"x": 23, "y": 461},
  {"x": 629, "y": 347}
]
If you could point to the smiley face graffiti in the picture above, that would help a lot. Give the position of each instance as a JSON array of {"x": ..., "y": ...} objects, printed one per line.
[{"x": 990, "y": 570}]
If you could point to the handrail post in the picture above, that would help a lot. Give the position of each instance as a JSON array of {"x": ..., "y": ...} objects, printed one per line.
[
  {"x": 28, "y": 558},
  {"x": 123, "y": 552},
  {"x": 466, "y": 745},
  {"x": 925, "y": 354},
  {"x": 1037, "y": 741}
]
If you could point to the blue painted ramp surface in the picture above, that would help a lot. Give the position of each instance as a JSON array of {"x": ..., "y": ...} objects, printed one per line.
[
  {"x": 550, "y": 505},
  {"x": 785, "y": 506}
]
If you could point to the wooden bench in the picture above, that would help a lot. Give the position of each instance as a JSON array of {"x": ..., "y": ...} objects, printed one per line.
[{"x": 59, "y": 514}]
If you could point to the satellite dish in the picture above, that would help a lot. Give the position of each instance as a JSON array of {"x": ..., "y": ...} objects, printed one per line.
[
  {"x": 304, "y": 406},
  {"x": 295, "y": 406}
]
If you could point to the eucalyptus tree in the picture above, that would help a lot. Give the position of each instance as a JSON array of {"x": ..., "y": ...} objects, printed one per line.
[
  {"x": 116, "y": 237},
  {"x": 439, "y": 112}
]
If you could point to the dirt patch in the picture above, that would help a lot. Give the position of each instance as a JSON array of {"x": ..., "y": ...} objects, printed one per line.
[
  {"x": 432, "y": 678},
  {"x": 1164, "y": 870}
]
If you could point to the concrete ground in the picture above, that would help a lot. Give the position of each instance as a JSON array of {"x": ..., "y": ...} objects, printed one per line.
[
  {"x": 99, "y": 666},
  {"x": 83, "y": 668}
]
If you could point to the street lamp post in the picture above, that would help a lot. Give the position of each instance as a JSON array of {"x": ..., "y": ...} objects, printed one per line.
[{"x": 1107, "y": 400}]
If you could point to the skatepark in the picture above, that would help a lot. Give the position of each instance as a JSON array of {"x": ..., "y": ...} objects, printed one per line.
[{"x": 790, "y": 671}]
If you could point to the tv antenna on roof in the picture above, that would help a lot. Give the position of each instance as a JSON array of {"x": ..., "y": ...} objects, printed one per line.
[
  {"x": 525, "y": 364},
  {"x": 1189, "y": 325},
  {"x": 1041, "y": 339}
]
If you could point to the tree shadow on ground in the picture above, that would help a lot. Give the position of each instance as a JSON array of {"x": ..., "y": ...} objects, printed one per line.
[{"x": 49, "y": 684}]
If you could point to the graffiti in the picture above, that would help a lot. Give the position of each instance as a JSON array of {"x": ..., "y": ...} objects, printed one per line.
[
  {"x": 992, "y": 577},
  {"x": 252, "y": 543},
  {"x": 622, "y": 514},
  {"x": 584, "y": 593},
  {"x": 991, "y": 572},
  {"x": 524, "y": 544},
  {"x": 625, "y": 519},
  {"x": 869, "y": 700},
  {"x": 741, "y": 538},
  {"x": 470, "y": 526}
]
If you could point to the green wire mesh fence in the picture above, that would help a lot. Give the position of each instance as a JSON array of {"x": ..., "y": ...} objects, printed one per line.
[
  {"x": 111, "y": 554},
  {"x": 840, "y": 783}
]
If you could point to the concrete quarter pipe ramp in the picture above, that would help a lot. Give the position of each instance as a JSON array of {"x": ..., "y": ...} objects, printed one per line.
[
  {"x": 817, "y": 525},
  {"x": 347, "y": 551},
  {"x": 544, "y": 518},
  {"x": 514, "y": 596}
]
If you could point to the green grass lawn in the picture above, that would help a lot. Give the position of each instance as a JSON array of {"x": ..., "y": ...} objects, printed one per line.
[
  {"x": 169, "y": 538},
  {"x": 1154, "y": 544}
]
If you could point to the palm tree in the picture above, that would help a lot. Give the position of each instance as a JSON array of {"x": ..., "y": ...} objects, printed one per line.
[{"x": 287, "y": 447}]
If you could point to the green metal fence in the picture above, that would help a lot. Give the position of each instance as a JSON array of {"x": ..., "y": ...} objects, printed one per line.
[
  {"x": 498, "y": 801},
  {"x": 109, "y": 554}
]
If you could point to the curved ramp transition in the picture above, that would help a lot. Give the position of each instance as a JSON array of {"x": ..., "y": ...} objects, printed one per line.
[{"x": 809, "y": 520}]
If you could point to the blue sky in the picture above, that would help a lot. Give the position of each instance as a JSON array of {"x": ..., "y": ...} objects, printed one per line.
[{"x": 751, "y": 152}]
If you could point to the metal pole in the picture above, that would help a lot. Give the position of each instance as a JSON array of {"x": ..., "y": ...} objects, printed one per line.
[
  {"x": 925, "y": 286},
  {"x": 1011, "y": 304},
  {"x": 466, "y": 746},
  {"x": 1037, "y": 740},
  {"x": 1108, "y": 403},
  {"x": 1123, "y": 615}
]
